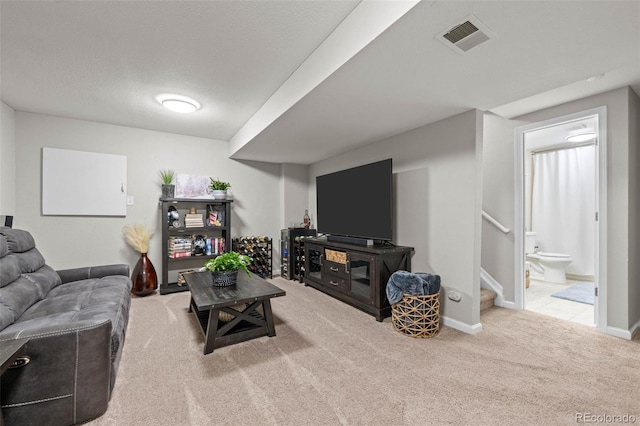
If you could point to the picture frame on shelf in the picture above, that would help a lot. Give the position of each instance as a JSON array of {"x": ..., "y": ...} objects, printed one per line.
[
  {"x": 193, "y": 186},
  {"x": 215, "y": 215}
]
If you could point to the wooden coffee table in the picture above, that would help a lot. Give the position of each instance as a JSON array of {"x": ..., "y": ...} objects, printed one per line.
[{"x": 207, "y": 301}]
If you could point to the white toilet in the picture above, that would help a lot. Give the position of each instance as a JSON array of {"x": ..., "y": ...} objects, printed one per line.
[{"x": 553, "y": 265}]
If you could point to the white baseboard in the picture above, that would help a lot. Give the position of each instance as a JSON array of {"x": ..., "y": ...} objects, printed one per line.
[
  {"x": 508, "y": 305},
  {"x": 458, "y": 325},
  {"x": 622, "y": 333},
  {"x": 635, "y": 329},
  {"x": 487, "y": 281}
]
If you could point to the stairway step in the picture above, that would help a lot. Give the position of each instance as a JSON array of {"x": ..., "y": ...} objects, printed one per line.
[{"x": 486, "y": 298}]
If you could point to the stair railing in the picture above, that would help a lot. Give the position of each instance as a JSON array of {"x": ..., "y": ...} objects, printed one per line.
[{"x": 495, "y": 222}]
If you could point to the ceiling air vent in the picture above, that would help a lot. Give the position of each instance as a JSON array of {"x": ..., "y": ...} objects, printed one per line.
[{"x": 465, "y": 35}]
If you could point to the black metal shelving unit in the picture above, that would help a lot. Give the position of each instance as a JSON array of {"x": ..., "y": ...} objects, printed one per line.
[{"x": 215, "y": 233}]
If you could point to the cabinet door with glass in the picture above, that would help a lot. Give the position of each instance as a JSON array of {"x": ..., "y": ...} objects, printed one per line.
[
  {"x": 362, "y": 272},
  {"x": 313, "y": 262}
]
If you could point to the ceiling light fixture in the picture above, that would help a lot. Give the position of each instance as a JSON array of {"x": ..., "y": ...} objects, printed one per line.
[
  {"x": 581, "y": 137},
  {"x": 178, "y": 103}
]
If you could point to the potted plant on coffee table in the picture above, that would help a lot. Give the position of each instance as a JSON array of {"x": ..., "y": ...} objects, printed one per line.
[
  {"x": 219, "y": 188},
  {"x": 224, "y": 268}
]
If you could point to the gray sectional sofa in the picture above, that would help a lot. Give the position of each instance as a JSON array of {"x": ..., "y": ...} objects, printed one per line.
[{"x": 76, "y": 321}]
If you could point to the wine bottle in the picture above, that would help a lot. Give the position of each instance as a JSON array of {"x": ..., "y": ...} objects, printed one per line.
[{"x": 306, "y": 219}]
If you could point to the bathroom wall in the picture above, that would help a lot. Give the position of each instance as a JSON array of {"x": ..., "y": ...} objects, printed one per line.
[{"x": 498, "y": 197}]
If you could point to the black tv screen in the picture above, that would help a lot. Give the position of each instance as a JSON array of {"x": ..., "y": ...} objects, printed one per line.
[{"x": 356, "y": 202}]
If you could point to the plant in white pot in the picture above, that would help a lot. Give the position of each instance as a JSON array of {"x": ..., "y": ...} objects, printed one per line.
[
  {"x": 168, "y": 188},
  {"x": 219, "y": 188},
  {"x": 224, "y": 268}
]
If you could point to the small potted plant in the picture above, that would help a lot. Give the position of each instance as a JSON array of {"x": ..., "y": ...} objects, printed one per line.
[
  {"x": 168, "y": 188},
  {"x": 224, "y": 268},
  {"x": 219, "y": 188}
]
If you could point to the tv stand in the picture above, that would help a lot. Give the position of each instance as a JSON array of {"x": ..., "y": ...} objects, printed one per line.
[
  {"x": 354, "y": 274},
  {"x": 350, "y": 240}
]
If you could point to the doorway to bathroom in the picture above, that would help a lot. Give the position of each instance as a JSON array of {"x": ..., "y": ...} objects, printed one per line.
[{"x": 561, "y": 217}]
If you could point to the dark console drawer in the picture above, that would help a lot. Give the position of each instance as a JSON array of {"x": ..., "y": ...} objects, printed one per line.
[
  {"x": 333, "y": 268},
  {"x": 336, "y": 282}
]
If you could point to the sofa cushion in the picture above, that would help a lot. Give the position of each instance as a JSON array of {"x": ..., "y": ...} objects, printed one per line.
[
  {"x": 9, "y": 270},
  {"x": 24, "y": 277},
  {"x": 15, "y": 299},
  {"x": 29, "y": 261},
  {"x": 4, "y": 246},
  {"x": 18, "y": 240},
  {"x": 94, "y": 299}
]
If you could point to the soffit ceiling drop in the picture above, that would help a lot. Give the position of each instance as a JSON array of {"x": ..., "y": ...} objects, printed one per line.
[{"x": 105, "y": 61}]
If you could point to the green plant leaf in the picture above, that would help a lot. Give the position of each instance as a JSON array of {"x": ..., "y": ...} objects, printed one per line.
[
  {"x": 167, "y": 176},
  {"x": 231, "y": 261}
]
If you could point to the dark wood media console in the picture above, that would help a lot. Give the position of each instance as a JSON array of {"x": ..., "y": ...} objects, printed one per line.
[{"x": 356, "y": 275}]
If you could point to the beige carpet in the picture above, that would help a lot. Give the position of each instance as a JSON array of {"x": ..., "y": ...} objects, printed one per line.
[{"x": 331, "y": 364}]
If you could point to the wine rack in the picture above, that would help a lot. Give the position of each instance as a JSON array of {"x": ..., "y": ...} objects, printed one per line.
[
  {"x": 299, "y": 258},
  {"x": 290, "y": 267},
  {"x": 260, "y": 250}
]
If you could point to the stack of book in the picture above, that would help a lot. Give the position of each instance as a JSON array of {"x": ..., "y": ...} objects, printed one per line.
[
  {"x": 193, "y": 220},
  {"x": 180, "y": 247}
]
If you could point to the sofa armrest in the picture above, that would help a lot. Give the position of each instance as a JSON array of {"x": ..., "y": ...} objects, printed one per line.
[
  {"x": 76, "y": 274},
  {"x": 67, "y": 380}
]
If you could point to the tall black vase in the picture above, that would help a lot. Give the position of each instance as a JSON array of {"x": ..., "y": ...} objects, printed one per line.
[{"x": 144, "y": 278}]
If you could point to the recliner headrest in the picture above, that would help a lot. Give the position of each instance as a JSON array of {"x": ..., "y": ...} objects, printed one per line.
[{"x": 18, "y": 240}]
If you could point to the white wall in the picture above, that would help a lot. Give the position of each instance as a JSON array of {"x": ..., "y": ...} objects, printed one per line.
[
  {"x": 634, "y": 211},
  {"x": 439, "y": 167},
  {"x": 7, "y": 160},
  {"x": 497, "y": 199},
  {"x": 81, "y": 241},
  {"x": 498, "y": 251},
  {"x": 295, "y": 187}
]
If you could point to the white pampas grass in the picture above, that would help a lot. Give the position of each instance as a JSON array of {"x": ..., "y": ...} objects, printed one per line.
[{"x": 138, "y": 236}]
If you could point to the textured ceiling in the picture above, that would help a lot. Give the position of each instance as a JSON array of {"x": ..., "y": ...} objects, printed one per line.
[
  {"x": 107, "y": 61},
  {"x": 299, "y": 81}
]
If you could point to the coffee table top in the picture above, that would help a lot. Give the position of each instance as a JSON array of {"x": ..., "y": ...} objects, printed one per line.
[{"x": 247, "y": 289}]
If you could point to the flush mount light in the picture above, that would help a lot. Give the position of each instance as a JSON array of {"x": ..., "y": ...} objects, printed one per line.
[
  {"x": 581, "y": 137},
  {"x": 178, "y": 103}
]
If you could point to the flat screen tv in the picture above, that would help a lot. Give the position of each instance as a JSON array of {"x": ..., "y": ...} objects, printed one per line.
[{"x": 356, "y": 202}]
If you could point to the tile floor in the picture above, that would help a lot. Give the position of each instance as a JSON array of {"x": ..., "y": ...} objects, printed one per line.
[{"x": 538, "y": 299}]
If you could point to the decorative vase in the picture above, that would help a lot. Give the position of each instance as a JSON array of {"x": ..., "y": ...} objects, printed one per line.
[
  {"x": 224, "y": 278},
  {"x": 144, "y": 278},
  {"x": 168, "y": 191},
  {"x": 219, "y": 194}
]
